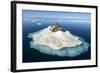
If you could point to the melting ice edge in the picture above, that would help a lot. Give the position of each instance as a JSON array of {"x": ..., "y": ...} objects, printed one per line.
[{"x": 70, "y": 51}]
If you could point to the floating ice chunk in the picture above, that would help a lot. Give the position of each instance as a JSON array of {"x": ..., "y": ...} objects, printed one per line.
[
  {"x": 39, "y": 23},
  {"x": 58, "y": 42}
]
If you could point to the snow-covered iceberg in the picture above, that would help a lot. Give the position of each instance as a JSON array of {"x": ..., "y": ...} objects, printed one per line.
[{"x": 54, "y": 40}]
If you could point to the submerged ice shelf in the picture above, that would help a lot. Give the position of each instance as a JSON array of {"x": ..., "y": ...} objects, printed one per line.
[{"x": 55, "y": 40}]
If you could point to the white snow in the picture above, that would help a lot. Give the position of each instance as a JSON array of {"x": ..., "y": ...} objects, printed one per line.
[{"x": 56, "y": 40}]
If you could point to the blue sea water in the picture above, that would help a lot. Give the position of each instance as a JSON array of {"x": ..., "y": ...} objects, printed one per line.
[{"x": 81, "y": 29}]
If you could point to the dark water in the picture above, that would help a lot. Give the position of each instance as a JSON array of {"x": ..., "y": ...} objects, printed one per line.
[{"x": 81, "y": 29}]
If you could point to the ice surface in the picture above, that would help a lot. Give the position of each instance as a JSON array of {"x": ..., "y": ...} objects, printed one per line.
[
  {"x": 60, "y": 43},
  {"x": 56, "y": 40}
]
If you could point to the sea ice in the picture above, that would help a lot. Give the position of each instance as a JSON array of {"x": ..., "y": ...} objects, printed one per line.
[{"x": 53, "y": 41}]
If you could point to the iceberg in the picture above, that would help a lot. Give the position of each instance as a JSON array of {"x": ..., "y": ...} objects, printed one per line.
[{"x": 55, "y": 40}]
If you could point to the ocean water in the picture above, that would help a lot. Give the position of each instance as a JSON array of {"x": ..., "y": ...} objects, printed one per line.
[{"x": 81, "y": 29}]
